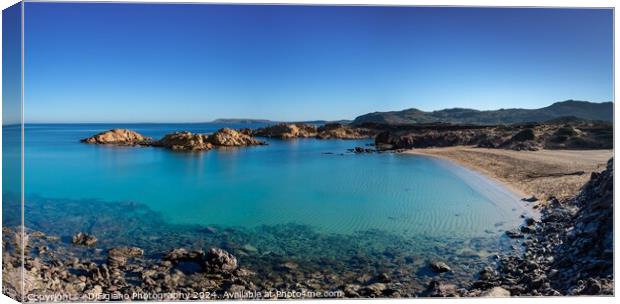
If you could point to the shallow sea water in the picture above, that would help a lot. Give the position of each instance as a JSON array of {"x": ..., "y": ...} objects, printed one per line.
[{"x": 305, "y": 200}]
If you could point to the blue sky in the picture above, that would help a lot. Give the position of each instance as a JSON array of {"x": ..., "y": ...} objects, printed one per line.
[{"x": 191, "y": 63}]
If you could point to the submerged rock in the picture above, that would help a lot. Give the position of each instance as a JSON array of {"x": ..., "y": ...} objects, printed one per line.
[
  {"x": 439, "y": 289},
  {"x": 84, "y": 239},
  {"x": 218, "y": 260},
  {"x": 118, "y": 137},
  {"x": 182, "y": 254},
  {"x": 118, "y": 257},
  {"x": 439, "y": 267}
]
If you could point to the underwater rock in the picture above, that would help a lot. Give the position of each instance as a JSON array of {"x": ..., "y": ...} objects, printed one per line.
[
  {"x": 438, "y": 289},
  {"x": 288, "y": 266},
  {"x": 513, "y": 234},
  {"x": 530, "y": 199},
  {"x": 218, "y": 260},
  {"x": 439, "y": 267},
  {"x": 182, "y": 254},
  {"x": 361, "y": 150},
  {"x": 118, "y": 137},
  {"x": 117, "y": 257},
  {"x": 373, "y": 290},
  {"x": 84, "y": 239}
]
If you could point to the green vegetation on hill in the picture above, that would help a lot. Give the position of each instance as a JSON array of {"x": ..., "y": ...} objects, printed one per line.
[{"x": 579, "y": 109}]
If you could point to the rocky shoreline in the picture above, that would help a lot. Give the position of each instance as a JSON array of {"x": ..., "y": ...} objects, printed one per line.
[
  {"x": 563, "y": 134},
  {"x": 568, "y": 251}
]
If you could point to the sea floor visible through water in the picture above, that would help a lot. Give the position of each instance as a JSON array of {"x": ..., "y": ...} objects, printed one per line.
[{"x": 289, "y": 211}]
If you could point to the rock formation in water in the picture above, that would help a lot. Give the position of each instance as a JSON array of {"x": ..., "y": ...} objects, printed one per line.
[
  {"x": 118, "y": 137},
  {"x": 84, "y": 239},
  {"x": 231, "y": 138},
  {"x": 287, "y": 131},
  {"x": 184, "y": 141}
]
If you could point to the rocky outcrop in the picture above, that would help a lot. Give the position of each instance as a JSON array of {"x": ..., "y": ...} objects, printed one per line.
[
  {"x": 128, "y": 272},
  {"x": 287, "y": 131},
  {"x": 118, "y": 257},
  {"x": 218, "y": 260},
  {"x": 182, "y": 254},
  {"x": 531, "y": 137},
  {"x": 326, "y": 131},
  {"x": 184, "y": 141},
  {"x": 84, "y": 239},
  {"x": 439, "y": 267},
  {"x": 118, "y": 137},
  {"x": 231, "y": 138},
  {"x": 340, "y": 131}
]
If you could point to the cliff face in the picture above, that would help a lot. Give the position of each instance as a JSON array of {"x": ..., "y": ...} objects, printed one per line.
[{"x": 575, "y": 135}]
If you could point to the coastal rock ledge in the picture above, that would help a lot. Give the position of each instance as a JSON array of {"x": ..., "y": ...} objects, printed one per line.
[{"x": 118, "y": 137}]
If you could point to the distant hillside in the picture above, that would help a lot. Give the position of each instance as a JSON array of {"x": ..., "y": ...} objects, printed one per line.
[
  {"x": 579, "y": 109},
  {"x": 266, "y": 121},
  {"x": 241, "y": 121}
]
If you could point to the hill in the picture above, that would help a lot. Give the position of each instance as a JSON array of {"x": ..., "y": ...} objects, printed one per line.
[{"x": 579, "y": 109}]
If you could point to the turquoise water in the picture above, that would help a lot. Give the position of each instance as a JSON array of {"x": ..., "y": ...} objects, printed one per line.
[{"x": 307, "y": 182}]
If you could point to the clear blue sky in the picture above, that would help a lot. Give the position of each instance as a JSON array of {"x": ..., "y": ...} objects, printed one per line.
[{"x": 188, "y": 63}]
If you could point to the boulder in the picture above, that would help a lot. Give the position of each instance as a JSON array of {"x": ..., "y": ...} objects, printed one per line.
[
  {"x": 496, "y": 292},
  {"x": 118, "y": 137},
  {"x": 118, "y": 257},
  {"x": 438, "y": 289},
  {"x": 182, "y": 254},
  {"x": 231, "y": 138},
  {"x": 218, "y": 260},
  {"x": 439, "y": 267},
  {"x": 84, "y": 239}
]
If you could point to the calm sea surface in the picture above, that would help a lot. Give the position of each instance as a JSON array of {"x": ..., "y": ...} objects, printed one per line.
[
  {"x": 307, "y": 181},
  {"x": 310, "y": 202}
]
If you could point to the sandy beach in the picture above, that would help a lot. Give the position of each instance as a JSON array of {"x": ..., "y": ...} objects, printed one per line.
[{"x": 543, "y": 173}]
